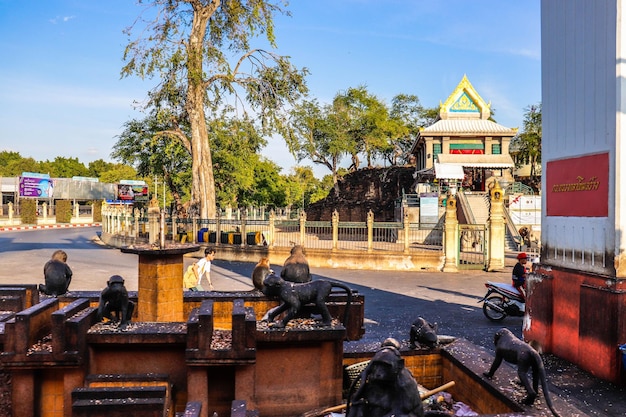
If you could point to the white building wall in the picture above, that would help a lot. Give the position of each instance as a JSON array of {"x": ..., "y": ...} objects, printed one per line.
[{"x": 582, "y": 109}]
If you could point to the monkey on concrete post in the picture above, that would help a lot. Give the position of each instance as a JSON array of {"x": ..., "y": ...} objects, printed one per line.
[
  {"x": 515, "y": 351},
  {"x": 114, "y": 299}
]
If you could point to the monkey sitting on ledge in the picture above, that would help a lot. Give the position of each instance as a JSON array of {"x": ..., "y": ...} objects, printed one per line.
[
  {"x": 296, "y": 267},
  {"x": 260, "y": 272},
  {"x": 114, "y": 299}
]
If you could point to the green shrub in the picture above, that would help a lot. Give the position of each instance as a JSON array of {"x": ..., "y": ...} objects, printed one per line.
[
  {"x": 28, "y": 211},
  {"x": 63, "y": 211},
  {"x": 97, "y": 211}
]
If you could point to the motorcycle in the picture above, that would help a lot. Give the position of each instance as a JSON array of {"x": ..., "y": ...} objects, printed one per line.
[{"x": 502, "y": 300}]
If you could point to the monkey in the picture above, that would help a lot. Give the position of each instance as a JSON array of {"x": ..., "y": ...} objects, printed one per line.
[
  {"x": 296, "y": 266},
  {"x": 114, "y": 299},
  {"x": 260, "y": 272},
  {"x": 294, "y": 296},
  {"x": 57, "y": 275},
  {"x": 423, "y": 333},
  {"x": 386, "y": 387},
  {"x": 515, "y": 351}
]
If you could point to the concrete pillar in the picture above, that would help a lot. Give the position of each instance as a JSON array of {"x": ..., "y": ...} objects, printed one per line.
[
  {"x": 370, "y": 231},
  {"x": 10, "y": 213},
  {"x": 272, "y": 229},
  {"x": 451, "y": 241},
  {"x": 496, "y": 229},
  {"x": 302, "y": 227},
  {"x": 153, "y": 222},
  {"x": 335, "y": 225}
]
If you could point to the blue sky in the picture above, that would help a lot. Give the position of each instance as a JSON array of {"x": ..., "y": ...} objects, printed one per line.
[{"x": 61, "y": 93}]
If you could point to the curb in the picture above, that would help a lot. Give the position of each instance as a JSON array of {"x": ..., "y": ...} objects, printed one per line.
[{"x": 47, "y": 226}]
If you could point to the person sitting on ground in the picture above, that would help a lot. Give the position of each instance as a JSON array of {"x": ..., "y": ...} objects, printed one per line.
[
  {"x": 519, "y": 274},
  {"x": 57, "y": 275}
]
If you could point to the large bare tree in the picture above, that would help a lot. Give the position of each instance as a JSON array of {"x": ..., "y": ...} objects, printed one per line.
[{"x": 199, "y": 51}]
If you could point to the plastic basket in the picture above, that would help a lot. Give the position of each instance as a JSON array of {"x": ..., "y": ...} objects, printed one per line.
[{"x": 354, "y": 371}]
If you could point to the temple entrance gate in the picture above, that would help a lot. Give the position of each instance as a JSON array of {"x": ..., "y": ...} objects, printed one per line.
[{"x": 472, "y": 246}]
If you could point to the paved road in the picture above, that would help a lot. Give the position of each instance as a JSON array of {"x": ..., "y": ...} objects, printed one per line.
[{"x": 392, "y": 299}]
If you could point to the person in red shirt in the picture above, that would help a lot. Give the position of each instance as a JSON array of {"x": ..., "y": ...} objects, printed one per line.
[{"x": 519, "y": 274}]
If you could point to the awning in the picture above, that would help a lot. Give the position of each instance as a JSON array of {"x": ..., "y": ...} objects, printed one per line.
[
  {"x": 449, "y": 171},
  {"x": 477, "y": 161}
]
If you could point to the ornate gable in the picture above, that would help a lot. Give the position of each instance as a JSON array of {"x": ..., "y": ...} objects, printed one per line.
[{"x": 465, "y": 103}]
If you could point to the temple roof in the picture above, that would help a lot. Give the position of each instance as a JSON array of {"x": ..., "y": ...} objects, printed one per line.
[
  {"x": 474, "y": 127},
  {"x": 465, "y": 113},
  {"x": 465, "y": 103}
]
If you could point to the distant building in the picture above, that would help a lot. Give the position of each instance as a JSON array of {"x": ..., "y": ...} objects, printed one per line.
[{"x": 464, "y": 142}]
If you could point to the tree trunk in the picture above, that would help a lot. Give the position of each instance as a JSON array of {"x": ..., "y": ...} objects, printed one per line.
[{"x": 203, "y": 186}]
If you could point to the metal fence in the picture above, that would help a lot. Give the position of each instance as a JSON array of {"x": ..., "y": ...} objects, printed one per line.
[{"x": 283, "y": 232}]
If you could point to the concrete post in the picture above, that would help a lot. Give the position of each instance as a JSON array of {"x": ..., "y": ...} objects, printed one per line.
[
  {"x": 370, "y": 231},
  {"x": 218, "y": 227},
  {"x": 153, "y": 222},
  {"x": 136, "y": 230},
  {"x": 10, "y": 213},
  {"x": 407, "y": 226},
  {"x": 44, "y": 211},
  {"x": 335, "y": 225},
  {"x": 244, "y": 233},
  {"x": 496, "y": 229},
  {"x": 272, "y": 229},
  {"x": 451, "y": 239},
  {"x": 302, "y": 227},
  {"x": 194, "y": 230}
]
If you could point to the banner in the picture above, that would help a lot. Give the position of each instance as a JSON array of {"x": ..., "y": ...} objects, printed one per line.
[
  {"x": 36, "y": 185},
  {"x": 578, "y": 187}
]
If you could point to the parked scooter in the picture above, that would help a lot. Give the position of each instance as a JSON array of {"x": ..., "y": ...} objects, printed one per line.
[{"x": 502, "y": 300}]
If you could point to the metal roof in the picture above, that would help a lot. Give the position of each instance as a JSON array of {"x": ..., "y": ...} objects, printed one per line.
[{"x": 466, "y": 126}]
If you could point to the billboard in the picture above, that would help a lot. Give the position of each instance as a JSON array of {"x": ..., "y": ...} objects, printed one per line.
[
  {"x": 132, "y": 191},
  {"x": 36, "y": 185}
]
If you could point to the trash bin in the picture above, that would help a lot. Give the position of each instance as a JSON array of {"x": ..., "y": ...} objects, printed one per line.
[
  {"x": 622, "y": 349},
  {"x": 201, "y": 234}
]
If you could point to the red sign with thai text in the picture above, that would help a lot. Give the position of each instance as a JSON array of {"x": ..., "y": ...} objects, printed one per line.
[{"x": 578, "y": 187}]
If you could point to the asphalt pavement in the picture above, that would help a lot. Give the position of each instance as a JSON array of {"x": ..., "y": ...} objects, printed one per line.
[{"x": 393, "y": 300}]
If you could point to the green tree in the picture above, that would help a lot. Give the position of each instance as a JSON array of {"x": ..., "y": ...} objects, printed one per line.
[
  {"x": 406, "y": 108},
  {"x": 12, "y": 164},
  {"x": 321, "y": 134},
  {"x": 121, "y": 172},
  {"x": 99, "y": 166},
  {"x": 189, "y": 44},
  {"x": 62, "y": 167},
  {"x": 143, "y": 145},
  {"x": 303, "y": 188},
  {"x": 528, "y": 141},
  {"x": 235, "y": 144},
  {"x": 370, "y": 126}
]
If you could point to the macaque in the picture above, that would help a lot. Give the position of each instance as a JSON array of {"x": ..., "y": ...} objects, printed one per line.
[
  {"x": 295, "y": 296},
  {"x": 385, "y": 388},
  {"x": 260, "y": 272},
  {"x": 114, "y": 299},
  {"x": 515, "y": 351},
  {"x": 296, "y": 267}
]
